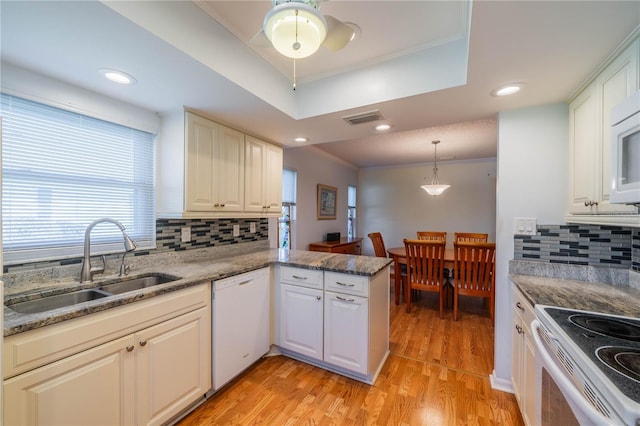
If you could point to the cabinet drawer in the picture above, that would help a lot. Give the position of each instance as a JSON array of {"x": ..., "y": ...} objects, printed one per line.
[
  {"x": 522, "y": 307},
  {"x": 300, "y": 276},
  {"x": 346, "y": 283}
]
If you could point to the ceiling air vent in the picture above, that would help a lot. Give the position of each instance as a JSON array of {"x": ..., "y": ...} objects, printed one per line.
[{"x": 364, "y": 117}]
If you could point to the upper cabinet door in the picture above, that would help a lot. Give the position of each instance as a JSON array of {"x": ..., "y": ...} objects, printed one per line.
[
  {"x": 202, "y": 141},
  {"x": 583, "y": 149},
  {"x": 230, "y": 170},
  {"x": 214, "y": 167},
  {"x": 263, "y": 176}
]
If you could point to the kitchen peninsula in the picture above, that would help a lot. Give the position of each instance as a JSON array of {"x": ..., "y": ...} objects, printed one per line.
[{"x": 137, "y": 332}]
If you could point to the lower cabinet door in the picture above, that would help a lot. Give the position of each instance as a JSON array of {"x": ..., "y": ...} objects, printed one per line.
[
  {"x": 300, "y": 327},
  {"x": 173, "y": 366},
  {"x": 94, "y": 387},
  {"x": 346, "y": 337}
]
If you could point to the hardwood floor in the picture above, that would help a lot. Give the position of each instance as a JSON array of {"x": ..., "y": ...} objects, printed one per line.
[{"x": 437, "y": 374}]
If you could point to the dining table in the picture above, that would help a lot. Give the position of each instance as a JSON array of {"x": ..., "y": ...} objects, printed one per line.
[{"x": 399, "y": 256}]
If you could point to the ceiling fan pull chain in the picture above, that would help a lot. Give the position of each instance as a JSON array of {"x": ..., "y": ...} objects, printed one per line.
[{"x": 295, "y": 46}]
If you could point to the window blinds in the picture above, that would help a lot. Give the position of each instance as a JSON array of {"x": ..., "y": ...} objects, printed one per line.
[{"x": 63, "y": 170}]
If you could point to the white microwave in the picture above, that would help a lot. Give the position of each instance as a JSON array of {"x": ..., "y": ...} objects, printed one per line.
[{"x": 625, "y": 151}]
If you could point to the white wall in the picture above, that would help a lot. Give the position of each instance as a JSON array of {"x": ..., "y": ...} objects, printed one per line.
[
  {"x": 391, "y": 201},
  {"x": 533, "y": 179},
  {"x": 314, "y": 167}
]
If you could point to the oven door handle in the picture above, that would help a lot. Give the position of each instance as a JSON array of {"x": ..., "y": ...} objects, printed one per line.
[{"x": 581, "y": 407}]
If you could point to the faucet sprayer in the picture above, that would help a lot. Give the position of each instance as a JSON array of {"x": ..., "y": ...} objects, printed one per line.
[{"x": 86, "y": 275}]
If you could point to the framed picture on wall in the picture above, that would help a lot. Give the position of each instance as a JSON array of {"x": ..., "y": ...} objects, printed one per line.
[{"x": 327, "y": 196}]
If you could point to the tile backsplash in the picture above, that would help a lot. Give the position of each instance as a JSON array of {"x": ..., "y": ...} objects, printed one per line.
[
  {"x": 592, "y": 245},
  {"x": 204, "y": 233}
]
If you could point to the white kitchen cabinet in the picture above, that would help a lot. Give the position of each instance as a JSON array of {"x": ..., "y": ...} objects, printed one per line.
[
  {"x": 141, "y": 363},
  {"x": 299, "y": 313},
  {"x": 214, "y": 166},
  {"x": 346, "y": 337},
  {"x": 339, "y": 322},
  {"x": 590, "y": 139},
  {"x": 263, "y": 177},
  {"x": 88, "y": 388},
  {"x": 172, "y": 361},
  {"x": 203, "y": 171},
  {"x": 523, "y": 365}
]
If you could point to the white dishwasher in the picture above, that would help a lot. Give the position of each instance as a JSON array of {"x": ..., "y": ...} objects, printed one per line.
[{"x": 240, "y": 327}]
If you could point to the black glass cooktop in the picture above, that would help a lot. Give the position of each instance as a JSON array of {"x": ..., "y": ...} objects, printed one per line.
[{"x": 611, "y": 343}]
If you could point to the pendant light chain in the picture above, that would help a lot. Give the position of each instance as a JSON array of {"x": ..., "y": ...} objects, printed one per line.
[{"x": 435, "y": 180}]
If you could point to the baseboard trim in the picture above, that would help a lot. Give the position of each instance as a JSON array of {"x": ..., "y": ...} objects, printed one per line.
[{"x": 500, "y": 384}]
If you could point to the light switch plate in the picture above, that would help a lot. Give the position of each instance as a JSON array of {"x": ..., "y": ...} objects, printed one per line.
[
  {"x": 185, "y": 234},
  {"x": 252, "y": 227},
  {"x": 236, "y": 230},
  {"x": 525, "y": 226}
]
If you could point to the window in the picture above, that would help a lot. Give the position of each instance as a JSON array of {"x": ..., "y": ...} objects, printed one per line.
[
  {"x": 351, "y": 211},
  {"x": 63, "y": 170},
  {"x": 286, "y": 223}
]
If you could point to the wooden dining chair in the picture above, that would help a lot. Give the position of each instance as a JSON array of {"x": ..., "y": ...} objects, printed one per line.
[
  {"x": 474, "y": 264},
  {"x": 470, "y": 237},
  {"x": 425, "y": 268},
  {"x": 432, "y": 235},
  {"x": 380, "y": 251}
]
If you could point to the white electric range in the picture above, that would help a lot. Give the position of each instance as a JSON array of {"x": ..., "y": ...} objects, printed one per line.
[{"x": 594, "y": 360}]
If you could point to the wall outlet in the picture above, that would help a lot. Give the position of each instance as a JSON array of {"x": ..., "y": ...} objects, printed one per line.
[
  {"x": 185, "y": 234},
  {"x": 525, "y": 226},
  {"x": 252, "y": 227},
  {"x": 236, "y": 230}
]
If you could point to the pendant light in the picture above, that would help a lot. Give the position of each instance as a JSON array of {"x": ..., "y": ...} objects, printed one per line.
[{"x": 435, "y": 188}]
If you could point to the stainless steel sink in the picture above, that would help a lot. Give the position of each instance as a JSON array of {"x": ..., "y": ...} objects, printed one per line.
[
  {"x": 58, "y": 301},
  {"x": 137, "y": 283}
]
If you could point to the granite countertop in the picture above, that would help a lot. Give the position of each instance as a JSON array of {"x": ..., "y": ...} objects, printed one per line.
[
  {"x": 615, "y": 299},
  {"x": 191, "y": 273}
]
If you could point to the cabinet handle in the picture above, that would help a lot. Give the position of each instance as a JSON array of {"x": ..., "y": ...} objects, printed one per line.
[
  {"x": 318, "y": 297},
  {"x": 130, "y": 348},
  {"x": 221, "y": 205},
  {"x": 297, "y": 277},
  {"x": 218, "y": 205},
  {"x": 344, "y": 299},
  {"x": 345, "y": 284},
  {"x": 590, "y": 203},
  {"x": 519, "y": 306},
  {"x": 520, "y": 330},
  {"x": 143, "y": 342},
  {"x": 245, "y": 282}
]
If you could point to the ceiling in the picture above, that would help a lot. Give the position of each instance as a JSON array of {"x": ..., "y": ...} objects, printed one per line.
[{"x": 427, "y": 66}]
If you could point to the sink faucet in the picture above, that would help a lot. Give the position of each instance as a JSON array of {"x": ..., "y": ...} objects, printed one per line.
[{"x": 86, "y": 275}]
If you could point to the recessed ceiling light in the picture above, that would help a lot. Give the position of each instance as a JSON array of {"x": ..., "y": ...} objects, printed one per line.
[
  {"x": 382, "y": 127},
  {"x": 116, "y": 76},
  {"x": 300, "y": 139},
  {"x": 507, "y": 90}
]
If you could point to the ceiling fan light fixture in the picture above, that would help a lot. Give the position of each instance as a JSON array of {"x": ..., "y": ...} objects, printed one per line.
[
  {"x": 296, "y": 30},
  {"x": 435, "y": 187}
]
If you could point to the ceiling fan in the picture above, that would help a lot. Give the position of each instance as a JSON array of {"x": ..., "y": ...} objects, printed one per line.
[{"x": 296, "y": 29}]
